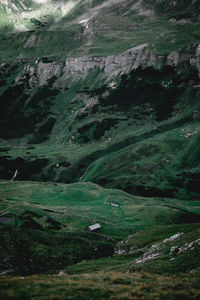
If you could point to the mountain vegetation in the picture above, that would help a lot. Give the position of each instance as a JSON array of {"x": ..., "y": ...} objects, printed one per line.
[{"x": 99, "y": 124}]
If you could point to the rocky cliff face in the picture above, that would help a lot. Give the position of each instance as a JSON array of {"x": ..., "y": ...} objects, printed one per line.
[
  {"x": 79, "y": 67},
  {"x": 131, "y": 59}
]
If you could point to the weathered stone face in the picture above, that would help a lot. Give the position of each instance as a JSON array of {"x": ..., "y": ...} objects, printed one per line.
[{"x": 79, "y": 67}]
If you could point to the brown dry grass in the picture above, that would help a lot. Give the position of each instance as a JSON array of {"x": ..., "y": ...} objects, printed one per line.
[{"x": 102, "y": 285}]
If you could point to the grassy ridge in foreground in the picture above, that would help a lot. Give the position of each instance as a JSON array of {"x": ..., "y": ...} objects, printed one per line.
[{"x": 102, "y": 286}]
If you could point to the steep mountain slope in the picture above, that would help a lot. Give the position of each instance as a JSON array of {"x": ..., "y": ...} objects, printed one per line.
[
  {"x": 83, "y": 120},
  {"x": 99, "y": 123},
  {"x": 92, "y": 27}
]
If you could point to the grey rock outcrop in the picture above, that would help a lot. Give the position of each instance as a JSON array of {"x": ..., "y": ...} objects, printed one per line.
[
  {"x": 45, "y": 71},
  {"x": 126, "y": 249},
  {"x": 173, "y": 58},
  {"x": 111, "y": 65},
  {"x": 195, "y": 60},
  {"x": 126, "y": 61},
  {"x": 76, "y": 68},
  {"x": 30, "y": 42},
  {"x": 187, "y": 247},
  {"x": 156, "y": 250}
]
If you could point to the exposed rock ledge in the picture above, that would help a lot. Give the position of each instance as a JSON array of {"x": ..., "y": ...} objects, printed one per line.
[{"x": 78, "y": 67}]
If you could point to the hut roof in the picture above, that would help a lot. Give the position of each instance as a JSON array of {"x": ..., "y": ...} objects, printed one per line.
[
  {"x": 94, "y": 226},
  {"x": 114, "y": 204}
]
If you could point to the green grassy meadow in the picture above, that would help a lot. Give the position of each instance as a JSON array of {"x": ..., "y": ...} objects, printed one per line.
[{"x": 35, "y": 212}]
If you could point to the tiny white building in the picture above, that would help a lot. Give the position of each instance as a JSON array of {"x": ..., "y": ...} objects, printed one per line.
[
  {"x": 114, "y": 204},
  {"x": 94, "y": 227}
]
